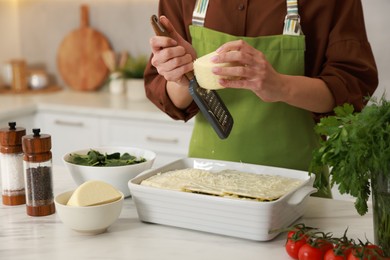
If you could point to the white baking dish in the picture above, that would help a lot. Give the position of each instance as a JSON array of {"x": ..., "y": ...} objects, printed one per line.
[{"x": 252, "y": 220}]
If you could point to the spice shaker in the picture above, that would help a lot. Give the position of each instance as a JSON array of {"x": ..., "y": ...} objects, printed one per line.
[
  {"x": 11, "y": 165},
  {"x": 38, "y": 173}
]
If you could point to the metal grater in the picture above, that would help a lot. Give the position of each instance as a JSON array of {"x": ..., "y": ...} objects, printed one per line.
[
  {"x": 208, "y": 101},
  {"x": 213, "y": 108}
]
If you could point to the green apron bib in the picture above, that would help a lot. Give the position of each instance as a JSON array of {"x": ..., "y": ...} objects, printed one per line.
[{"x": 274, "y": 134}]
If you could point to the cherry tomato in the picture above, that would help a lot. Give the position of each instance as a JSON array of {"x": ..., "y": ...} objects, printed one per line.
[
  {"x": 324, "y": 245},
  {"x": 295, "y": 240},
  {"x": 366, "y": 252},
  {"x": 308, "y": 252},
  {"x": 339, "y": 252},
  {"x": 293, "y": 246},
  {"x": 331, "y": 255},
  {"x": 314, "y": 252}
]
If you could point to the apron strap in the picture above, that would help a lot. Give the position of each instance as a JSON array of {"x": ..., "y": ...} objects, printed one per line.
[
  {"x": 292, "y": 20},
  {"x": 199, "y": 14}
]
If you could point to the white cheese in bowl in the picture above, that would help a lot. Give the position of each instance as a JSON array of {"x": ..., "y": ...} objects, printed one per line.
[{"x": 92, "y": 193}]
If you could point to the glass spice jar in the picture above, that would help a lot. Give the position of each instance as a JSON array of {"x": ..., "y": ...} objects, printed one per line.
[
  {"x": 11, "y": 165},
  {"x": 38, "y": 173}
]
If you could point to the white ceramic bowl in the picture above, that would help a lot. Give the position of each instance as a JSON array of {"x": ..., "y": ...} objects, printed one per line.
[
  {"x": 117, "y": 176},
  {"x": 90, "y": 220}
]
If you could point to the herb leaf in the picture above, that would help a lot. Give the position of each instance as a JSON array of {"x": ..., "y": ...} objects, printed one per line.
[{"x": 95, "y": 158}]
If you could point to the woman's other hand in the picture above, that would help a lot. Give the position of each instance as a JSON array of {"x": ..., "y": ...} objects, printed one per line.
[{"x": 252, "y": 71}]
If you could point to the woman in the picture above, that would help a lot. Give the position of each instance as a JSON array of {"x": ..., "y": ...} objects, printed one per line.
[{"x": 295, "y": 60}]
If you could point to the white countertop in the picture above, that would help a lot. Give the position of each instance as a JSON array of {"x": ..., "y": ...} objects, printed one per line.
[
  {"x": 98, "y": 103},
  {"x": 25, "y": 237}
]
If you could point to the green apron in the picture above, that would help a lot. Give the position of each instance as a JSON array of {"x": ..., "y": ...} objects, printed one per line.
[{"x": 274, "y": 134}]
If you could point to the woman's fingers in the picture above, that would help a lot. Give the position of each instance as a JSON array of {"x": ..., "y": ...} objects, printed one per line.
[
  {"x": 249, "y": 69},
  {"x": 173, "y": 69},
  {"x": 172, "y": 56},
  {"x": 238, "y": 45}
]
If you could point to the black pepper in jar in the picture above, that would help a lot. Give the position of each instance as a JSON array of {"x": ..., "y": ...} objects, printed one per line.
[
  {"x": 38, "y": 174},
  {"x": 39, "y": 180}
]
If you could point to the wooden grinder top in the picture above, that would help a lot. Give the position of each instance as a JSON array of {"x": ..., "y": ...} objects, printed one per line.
[
  {"x": 11, "y": 139},
  {"x": 36, "y": 147}
]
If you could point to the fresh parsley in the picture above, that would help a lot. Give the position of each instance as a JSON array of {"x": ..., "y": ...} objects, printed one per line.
[
  {"x": 95, "y": 158},
  {"x": 356, "y": 149}
]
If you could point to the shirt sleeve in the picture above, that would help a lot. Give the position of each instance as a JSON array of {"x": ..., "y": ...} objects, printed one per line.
[
  {"x": 155, "y": 84},
  {"x": 352, "y": 79},
  {"x": 349, "y": 67}
]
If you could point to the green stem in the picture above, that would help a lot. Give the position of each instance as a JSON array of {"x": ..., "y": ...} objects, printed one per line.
[{"x": 381, "y": 211}]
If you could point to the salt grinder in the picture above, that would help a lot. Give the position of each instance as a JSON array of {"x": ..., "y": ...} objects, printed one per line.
[
  {"x": 11, "y": 165},
  {"x": 38, "y": 173}
]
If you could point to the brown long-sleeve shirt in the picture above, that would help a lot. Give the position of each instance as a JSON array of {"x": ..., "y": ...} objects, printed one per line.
[{"x": 337, "y": 49}]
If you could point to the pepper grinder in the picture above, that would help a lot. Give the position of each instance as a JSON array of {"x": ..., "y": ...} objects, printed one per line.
[
  {"x": 11, "y": 165},
  {"x": 38, "y": 173}
]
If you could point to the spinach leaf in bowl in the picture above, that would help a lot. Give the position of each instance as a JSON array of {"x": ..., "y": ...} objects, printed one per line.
[{"x": 95, "y": 158}]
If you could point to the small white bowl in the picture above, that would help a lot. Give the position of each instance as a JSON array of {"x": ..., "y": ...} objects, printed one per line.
[
  {"x": 90, "y": 220},
  {"x": 117, "y": 176}
]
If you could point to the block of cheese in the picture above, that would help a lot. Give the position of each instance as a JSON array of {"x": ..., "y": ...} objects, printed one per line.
[
  {"x": 92, "y": 193},
  {"x": 203, "y": 71}
]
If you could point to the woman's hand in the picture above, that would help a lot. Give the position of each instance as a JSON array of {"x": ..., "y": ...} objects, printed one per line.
[
  {"x": 172, "y": 57},
  {"x": 252, "y": 71}
]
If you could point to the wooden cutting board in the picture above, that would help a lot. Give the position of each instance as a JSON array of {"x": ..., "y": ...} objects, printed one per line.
[{"x": 79, "y": 56}]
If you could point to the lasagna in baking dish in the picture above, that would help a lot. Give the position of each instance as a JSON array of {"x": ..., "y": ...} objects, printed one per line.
[{"x": 226, "y": 183}]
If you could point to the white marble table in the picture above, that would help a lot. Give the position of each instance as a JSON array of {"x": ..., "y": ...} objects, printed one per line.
[{"x": 25, "y": 237}]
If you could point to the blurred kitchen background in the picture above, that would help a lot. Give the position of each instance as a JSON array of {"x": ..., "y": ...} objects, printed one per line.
[{"x": 33, "y": 29}]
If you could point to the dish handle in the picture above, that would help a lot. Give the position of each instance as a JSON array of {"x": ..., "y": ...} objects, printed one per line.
[{"x": 299, "y": 195}]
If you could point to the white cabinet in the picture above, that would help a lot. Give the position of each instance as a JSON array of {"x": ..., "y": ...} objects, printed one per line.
[
  {"x": 69, "y": 132},
  {"x": 169, "y": 140},
  {"x": 26, "y": 120}
]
